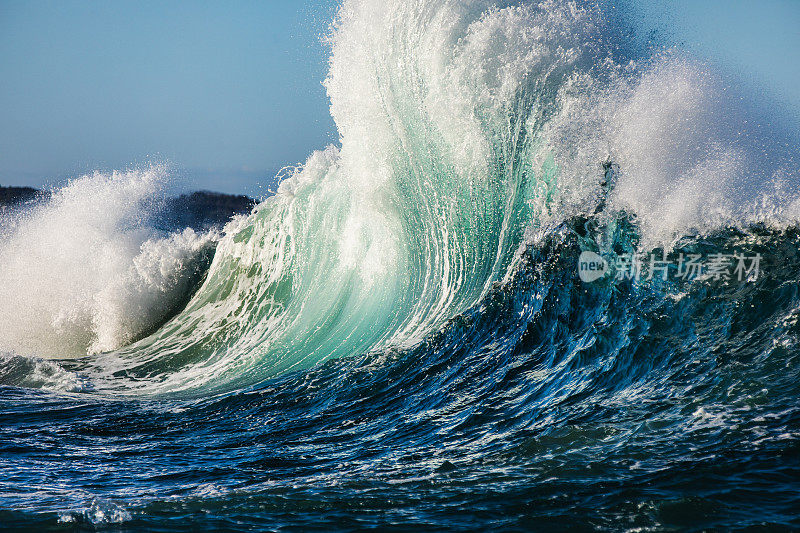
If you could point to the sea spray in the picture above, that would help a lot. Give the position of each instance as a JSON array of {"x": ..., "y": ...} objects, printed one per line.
[{"x": 87, "y": 271}]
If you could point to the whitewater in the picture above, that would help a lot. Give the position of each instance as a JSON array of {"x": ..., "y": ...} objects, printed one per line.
[{"x": 399, "y": 335}]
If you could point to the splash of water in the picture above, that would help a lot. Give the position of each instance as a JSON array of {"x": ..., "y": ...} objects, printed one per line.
[{"x": 88, "y": 272}]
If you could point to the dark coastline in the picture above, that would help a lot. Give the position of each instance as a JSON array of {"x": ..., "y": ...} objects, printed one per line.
[
  {"x": 14, "y": 196},
  {"x": 199, "y": 209}
]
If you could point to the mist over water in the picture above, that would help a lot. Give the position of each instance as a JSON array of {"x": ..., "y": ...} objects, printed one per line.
[{"x": 399, "y": 332}]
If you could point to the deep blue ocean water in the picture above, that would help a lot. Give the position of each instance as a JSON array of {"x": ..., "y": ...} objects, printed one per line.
[{"x": 554, "y": 405}]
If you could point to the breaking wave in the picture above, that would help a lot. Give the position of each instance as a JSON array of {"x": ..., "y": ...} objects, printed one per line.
[{"x": 404, "y": 316}]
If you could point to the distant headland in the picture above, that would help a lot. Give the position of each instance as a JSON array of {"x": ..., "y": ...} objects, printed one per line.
[{"x": 199, "y": 209}]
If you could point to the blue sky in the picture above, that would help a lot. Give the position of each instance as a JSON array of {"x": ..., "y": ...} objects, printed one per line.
[
  {"x": 226, "y": 91},
  {"x": 229, "y": 92},
  {"x": 757, "y": 42}
]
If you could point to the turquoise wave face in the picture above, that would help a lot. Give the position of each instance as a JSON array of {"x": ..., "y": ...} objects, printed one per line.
[{"x": 378, "y": 243}]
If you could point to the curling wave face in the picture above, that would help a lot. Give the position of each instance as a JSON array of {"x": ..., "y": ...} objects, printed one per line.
[
  {"x": 421, "y": 210},
  {"x": 466, "y": 130}
]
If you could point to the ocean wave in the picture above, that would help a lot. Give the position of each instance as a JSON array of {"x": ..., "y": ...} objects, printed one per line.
[
  {"x": 400, "y": 335},
  {"x": 468, "y": 131}
]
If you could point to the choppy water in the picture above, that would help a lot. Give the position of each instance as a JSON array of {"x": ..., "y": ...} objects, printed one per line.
[{"x": 399, "y": 337}]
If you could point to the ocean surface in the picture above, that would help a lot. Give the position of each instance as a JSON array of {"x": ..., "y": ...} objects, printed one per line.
[{"x": 404, "y": 336}]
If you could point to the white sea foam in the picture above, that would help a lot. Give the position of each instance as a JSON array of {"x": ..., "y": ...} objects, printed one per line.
[
  {"x": 35, "y": 373},
  {"x": 86, "y": 271}
]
